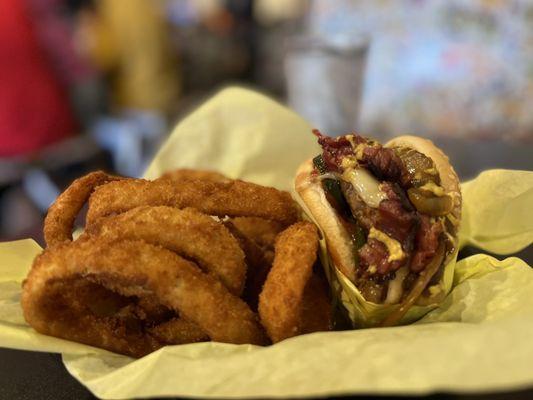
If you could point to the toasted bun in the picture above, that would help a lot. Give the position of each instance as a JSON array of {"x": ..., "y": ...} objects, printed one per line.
[{"x": 337, "y": 238}]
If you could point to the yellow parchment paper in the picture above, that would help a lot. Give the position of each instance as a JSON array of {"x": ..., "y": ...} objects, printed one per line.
[{"x": 478, "y": 339}]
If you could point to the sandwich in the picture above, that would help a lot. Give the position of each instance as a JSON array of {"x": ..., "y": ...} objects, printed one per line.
[{"x": 389, "y": 215}]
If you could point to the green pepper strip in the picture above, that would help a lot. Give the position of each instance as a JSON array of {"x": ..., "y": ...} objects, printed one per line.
[
  {"x": 334, "y": 194},
  {"x": 332, "y": 188}
]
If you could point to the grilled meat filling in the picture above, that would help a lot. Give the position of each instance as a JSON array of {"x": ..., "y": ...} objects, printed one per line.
[{"x": 408, "y": 224}]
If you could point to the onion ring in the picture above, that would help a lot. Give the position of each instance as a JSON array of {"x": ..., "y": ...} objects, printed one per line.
[
  {"x": 178, "y": 331},
  {"x": 257, "y": 238},
  {"x": 60, "y": 218},
  {"x": 232, "y": 198},
  {"x": 131, "y": 269},
  {"x": 262, "y": 232},
  {"x": 258, "y": 266},
  {"x": 187, "y": 232},
  {"x": 316, "y": 307},
  {"x": 280, "y": 302},
  {"x": 177, "y": 176}
]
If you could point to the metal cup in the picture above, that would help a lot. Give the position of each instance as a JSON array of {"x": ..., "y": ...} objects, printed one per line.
[{"x": 324, "y": 81}]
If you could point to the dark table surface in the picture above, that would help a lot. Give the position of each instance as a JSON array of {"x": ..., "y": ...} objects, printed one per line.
[{"x": 30, "y": 376}]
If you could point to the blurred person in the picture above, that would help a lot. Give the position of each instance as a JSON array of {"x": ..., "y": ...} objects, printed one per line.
[
  {"x": 38, "y": 127},
  {"x": 34, "y": 105},
  {"x": 55, "y": 23},
  {"x": 131, "y": 46}
]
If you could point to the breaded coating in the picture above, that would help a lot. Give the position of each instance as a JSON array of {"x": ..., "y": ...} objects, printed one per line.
[
  {"x": 178, "y": 331},
  {"x": 177, "y": 176},
  {"x": 133, "y": 270},
  {"x": 256, "y": 237},
  {"x": 258, "y": 266},
  {"x": 232, "y": 198},
  {"x": 281, "y": 301},
  {"x": 187, "y": 232},
  {"x": 61, "y": 215},
  {"x": 188, "y": 257},
  {"x": 262, "y": 232},
  {"x": 316, "y": 306}
]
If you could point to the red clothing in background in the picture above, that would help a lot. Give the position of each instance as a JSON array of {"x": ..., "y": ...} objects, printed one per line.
[{"x": 34, "y": 107}]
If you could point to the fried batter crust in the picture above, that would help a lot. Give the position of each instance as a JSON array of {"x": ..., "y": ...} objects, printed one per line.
[
  {"x": 130, "y": 269},
  {"x": 232, "y": 198},
  {"x": 258, "y": 266},
  {"x": 262, "y": 231},
  {"x": 316, "y": 306},
  {"x": 281, "y": 301},
  {"x": 187, "y": 232},
  {"x": 61, "y": 215},
  {"x": 178, "y": 331},
  {"x": 177, "y": 176}
]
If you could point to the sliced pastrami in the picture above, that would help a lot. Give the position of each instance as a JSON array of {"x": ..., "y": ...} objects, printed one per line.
[
  {"x": 426, "y": 243},
  {"x": 374, "y": 254},
  {"x": 335, "y": 149}
]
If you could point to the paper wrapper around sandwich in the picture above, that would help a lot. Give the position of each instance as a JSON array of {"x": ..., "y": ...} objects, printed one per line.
[
  {"x": 349, "y": 301},
  {"x": 365, "y": 314},
  {"x": 482, "y": 327}
]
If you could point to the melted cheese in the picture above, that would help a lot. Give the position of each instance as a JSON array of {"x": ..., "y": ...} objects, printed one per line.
[
  {"x": 366, "y": 186},
  {"x": 433, "y": 188},
  {"x": 393, "y": 246},
  {"x": 349, "y": 162},
  {"x": 357, "y": 148},
  {"x": 349, "y": 138},
  {"x": 358, "y": 151}
]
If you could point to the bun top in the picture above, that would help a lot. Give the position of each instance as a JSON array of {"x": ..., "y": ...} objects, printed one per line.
[{"x": 337, "y": 238}]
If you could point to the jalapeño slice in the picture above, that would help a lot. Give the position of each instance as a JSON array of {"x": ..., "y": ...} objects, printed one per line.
[
  {"x": 332, "y": 188},
  {"x": 334, "y": 194}
]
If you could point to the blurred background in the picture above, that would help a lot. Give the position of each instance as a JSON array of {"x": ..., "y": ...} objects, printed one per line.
[{"x": 99, "y": 84}]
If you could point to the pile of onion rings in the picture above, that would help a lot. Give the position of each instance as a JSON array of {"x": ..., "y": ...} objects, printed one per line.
[{"x": 189, "y": 257}]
